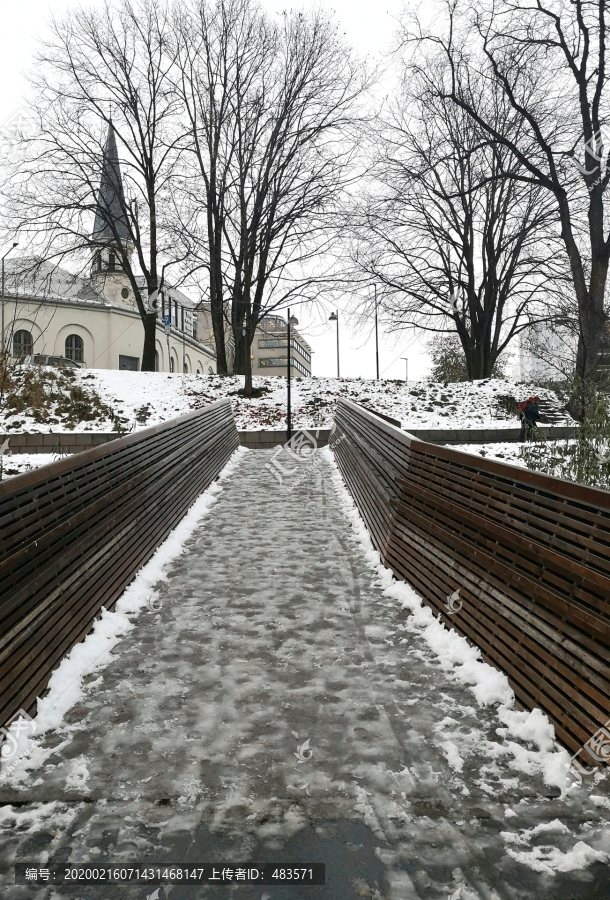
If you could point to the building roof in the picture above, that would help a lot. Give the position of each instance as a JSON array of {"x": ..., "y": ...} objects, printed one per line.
[
  {"x": 110, "y": 221},
  {"x": 27, "y": 276},
  {"x": 274, "y": 325},
  {"x": 31, "y": 277}
]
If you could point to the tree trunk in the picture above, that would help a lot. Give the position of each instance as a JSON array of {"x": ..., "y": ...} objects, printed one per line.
[
  {"x": 216, "y": 298},
  {"x": 150, "y": 334},
  {"x": 480, "y": 360},
  {"x": 218, "y": 327},
  {"x": 239, "y": 363},
  {"x": 247, "y": 342}
]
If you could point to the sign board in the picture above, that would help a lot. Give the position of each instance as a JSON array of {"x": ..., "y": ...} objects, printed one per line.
[
  {"x": 167, "y": 321},
  {"x": 167, "y": 330}
]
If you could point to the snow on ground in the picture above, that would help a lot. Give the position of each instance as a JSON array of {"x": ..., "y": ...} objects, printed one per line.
[
  {"x": 504, "y": 452},
  {"x": 543, "y": 455},
  {"x": 142, "y": 399},
  {"x": 413, "y": 778},
  {"x": 18, "y": 463}
]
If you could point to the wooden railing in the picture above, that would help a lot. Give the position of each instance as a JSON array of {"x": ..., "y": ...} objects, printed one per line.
[
  {"x": 73, "y": 534},
  {"x": 528, "y": 553}
]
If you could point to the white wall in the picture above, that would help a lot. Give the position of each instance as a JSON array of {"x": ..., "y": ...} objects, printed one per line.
[{"x": 107, "y": 331}]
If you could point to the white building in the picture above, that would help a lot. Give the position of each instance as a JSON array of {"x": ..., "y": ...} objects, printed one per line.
[
  {"x": 546, "y": 353},
  {"x": 55, "y": 313},
  {"x": 94, "y": 320}
]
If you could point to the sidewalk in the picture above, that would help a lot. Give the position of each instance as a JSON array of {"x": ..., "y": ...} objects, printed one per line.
[{"x": 281, "y": 707}]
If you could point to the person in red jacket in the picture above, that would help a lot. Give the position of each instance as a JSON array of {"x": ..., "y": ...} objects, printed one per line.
[{"x": 529, "y": 412}]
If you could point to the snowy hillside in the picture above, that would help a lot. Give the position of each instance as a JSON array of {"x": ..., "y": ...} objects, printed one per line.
[{"x": 141, "y": 399}]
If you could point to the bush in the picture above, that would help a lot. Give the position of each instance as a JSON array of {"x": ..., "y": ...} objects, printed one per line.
[
  {"x": 53, "y": 395},
  {"x": 586, "y": 459}
]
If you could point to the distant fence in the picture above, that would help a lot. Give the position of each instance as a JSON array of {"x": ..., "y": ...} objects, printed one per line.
[
  {"x": 73, "y": 535},
  {"x": 529, "y": 554}
]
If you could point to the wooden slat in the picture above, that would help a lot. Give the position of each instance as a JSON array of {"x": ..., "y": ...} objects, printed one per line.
[
  {"x": 74, "y": 534},
  {"x": 529, "y": 553}
]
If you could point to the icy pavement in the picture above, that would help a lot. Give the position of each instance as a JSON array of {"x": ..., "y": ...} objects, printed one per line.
[{"x": 278, "y": 702}]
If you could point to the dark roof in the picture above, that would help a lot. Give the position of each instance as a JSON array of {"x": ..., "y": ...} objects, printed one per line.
[{"x": 110, "y": 198}]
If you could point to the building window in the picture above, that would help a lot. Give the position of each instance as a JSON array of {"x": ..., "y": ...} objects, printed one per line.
[
  {"x": 125, "y": 293},
  {"x": 23, "y": 345},
  {"x": 128, "y": 363},
  {"x": 171, "y": 364},
  {"x": 156, "y": 360},
  {"x": 268, "y": 343},
  {"x": 75, "y": 348},
  {"x": 111, "y": 261},
  {"x": 300, "y": 350},
  {"x": 282, "y": 362},
  {"x": 274, "y": 361}
]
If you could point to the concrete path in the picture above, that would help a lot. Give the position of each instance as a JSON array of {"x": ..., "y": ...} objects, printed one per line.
[{"x": 274, "y": 632}]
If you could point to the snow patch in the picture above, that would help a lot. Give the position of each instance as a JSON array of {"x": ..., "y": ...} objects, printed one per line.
[
  {"x": 79, "y": 773},
  {"x": 149, "y": 398},
  {"x": 551, "y": 860}
]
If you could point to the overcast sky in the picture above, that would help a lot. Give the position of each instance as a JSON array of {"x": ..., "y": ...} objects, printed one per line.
[{"x": 369, "y": 27}]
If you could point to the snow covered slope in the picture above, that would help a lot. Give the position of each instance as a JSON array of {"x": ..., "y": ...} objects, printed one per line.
[{"x": 141, "y": 399}]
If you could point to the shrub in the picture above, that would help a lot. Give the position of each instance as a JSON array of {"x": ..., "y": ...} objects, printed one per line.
[
  {"x": 50, "y": 395},
  {"x": 586, "y": 459}
]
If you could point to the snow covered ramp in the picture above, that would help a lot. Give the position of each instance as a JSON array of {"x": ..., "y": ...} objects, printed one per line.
[{"x": 279, "y": 698}]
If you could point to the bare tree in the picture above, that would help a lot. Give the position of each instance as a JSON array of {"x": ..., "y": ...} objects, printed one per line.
[
  {"x": 218, "y": 55},
  {"x": 95, "y": 181},
  {"x": 456, "y": 241},
  {"x": 294, "y": 149},
  {"x": 549, "y": 61},
  {"x": 222, "y": 132}
]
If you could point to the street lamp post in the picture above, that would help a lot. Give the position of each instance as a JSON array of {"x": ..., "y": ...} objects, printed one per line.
[
  {"x": 3, "y": 337},
  {"x": 334, "y": 317},
  {"x": 376, "y": 336},
  {"x": 291, "y": 321}
]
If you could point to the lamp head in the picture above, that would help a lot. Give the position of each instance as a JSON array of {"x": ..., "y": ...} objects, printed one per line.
[{"x": 333, "y": 317}]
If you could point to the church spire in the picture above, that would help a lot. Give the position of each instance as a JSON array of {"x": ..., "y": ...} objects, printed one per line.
[
  {"x": 110, "y": 231},
  {"x": 111, "y": 198}
]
